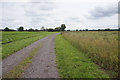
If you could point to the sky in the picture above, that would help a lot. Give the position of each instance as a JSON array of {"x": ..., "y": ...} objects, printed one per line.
[{"x": 75, "y": 14}]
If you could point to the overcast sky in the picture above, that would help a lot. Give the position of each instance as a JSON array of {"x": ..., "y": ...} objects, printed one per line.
[{"x": 76, "y": 14}]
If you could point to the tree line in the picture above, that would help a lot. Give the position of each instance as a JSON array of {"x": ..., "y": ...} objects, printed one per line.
[
  {"x": 107, "y": 29},
  {"x": 62, "y": 28},
  {"x": 21, "y": 28}
]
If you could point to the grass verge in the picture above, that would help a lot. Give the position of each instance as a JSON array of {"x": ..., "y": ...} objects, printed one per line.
[
  {"x": 19, "y": 69},
  {"x": 73, "y": 64},
  {"x": 8, "y": 49}
]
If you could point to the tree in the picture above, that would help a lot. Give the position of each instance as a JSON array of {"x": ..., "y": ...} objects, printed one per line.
[
  {"x": 68, "y": 30},
  {"x": 63, "y": 27},
  {"x": 26, "y": 30},
  {"x": 80, "y": 30},
  {"x": 107, "y": 29},
  {"x": 42, "y": 28},
  {"x": 31, "y": 29},
  {"x": 86, "y": 29},
  {"x": 21, "y": 28},
  {"x": 36, "y": 30},
  {"x": 6, "y": 29},
  {"x": 57, "y": 28},
  {"x": 76, "y": 29},
  {"x": 50, "y": 30}
]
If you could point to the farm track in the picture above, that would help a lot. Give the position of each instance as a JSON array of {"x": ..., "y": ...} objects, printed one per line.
[{"x": 43, "y": 62}]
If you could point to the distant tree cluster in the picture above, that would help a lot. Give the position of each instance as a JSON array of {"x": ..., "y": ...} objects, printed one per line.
[
  {"x": 7, "y": 29},
  {"x": 21, "y": 28},
  {"x": 62, "y": 28}
]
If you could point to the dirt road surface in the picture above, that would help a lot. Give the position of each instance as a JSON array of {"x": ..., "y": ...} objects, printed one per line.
[{"x": 43, "y": 63}]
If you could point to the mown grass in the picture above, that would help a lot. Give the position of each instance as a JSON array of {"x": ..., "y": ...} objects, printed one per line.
[
  {"x": 17, "y": 71},
  {"x": 15, "y": 36},
  {"x": 19, "y": 40},
  {"x": 101, "y": 46},
  {"x": 71, "y": 63}
]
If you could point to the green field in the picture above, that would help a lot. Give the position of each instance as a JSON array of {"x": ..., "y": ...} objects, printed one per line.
[
  {"x": 100, "y": 46},
  {"x": 72, "y": 63},
  {"x": 14, "y": 41}
]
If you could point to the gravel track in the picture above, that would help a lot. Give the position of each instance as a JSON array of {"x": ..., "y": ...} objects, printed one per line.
[{"x": 43, "y": 64}]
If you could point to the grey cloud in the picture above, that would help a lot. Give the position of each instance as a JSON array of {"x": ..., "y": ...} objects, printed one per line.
[
  {"x": 36, "y": 14},
  {"x": 47, "y": 6},
  {"x": 7, "y": 19},
  {"x": 37, "y": 19},
  {"x": 101, "y": 12},
  {"x": 38, "y": 11},
  {"x": 41, "y": 0},
  {"x": 13, "y": 15},
  {"x": 43, "y": 4},
  {"x": 40, "y": 6},
  {"x": 74, "y": 19}
]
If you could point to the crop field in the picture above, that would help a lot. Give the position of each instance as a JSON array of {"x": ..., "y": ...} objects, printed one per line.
[
  {"x": 14, "y": 41},
  {"x": 100, "y": 46}
]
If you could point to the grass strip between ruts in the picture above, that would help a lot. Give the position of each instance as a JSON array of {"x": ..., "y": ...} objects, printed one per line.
[{"x": 19, "y": 69}]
